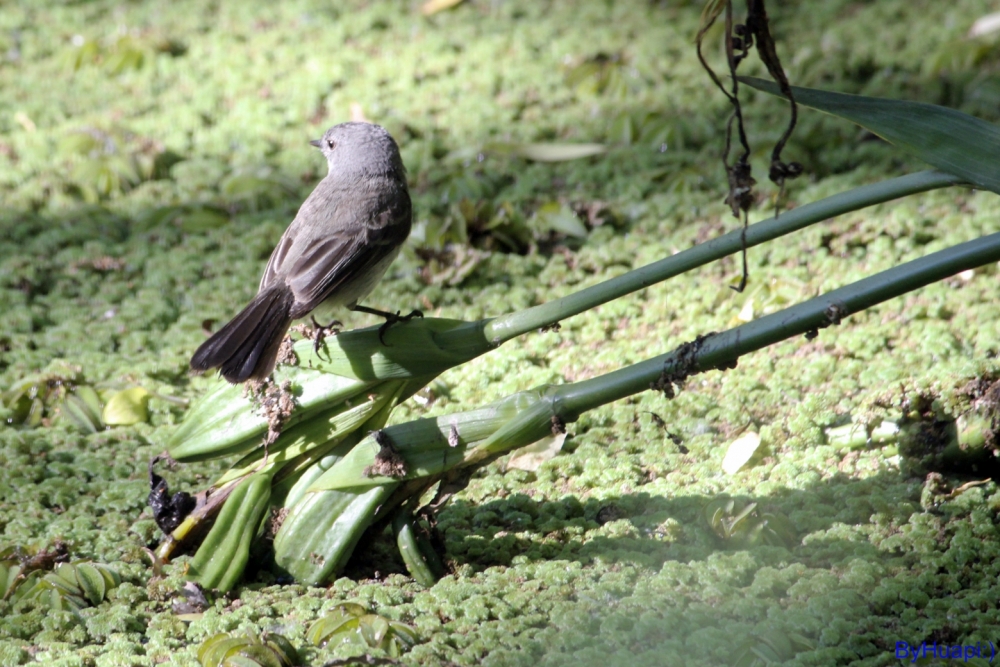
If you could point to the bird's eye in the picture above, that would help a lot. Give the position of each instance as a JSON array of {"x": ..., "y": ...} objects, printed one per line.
[{"x": 330, "y": 143}]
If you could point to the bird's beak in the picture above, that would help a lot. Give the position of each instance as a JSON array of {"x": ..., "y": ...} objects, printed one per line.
[{"x": 316, "y": 142}]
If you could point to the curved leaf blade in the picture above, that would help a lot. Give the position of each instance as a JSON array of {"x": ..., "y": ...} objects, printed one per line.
[{"x": 950, "y": 140}]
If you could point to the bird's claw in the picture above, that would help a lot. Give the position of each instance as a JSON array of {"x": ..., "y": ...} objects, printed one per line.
[
  {"x": 393, "y": 318},
  {"x": 321, "y": 331}
]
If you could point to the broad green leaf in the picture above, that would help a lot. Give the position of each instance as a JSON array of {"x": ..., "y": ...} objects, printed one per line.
[
  {"x": 546, "y": 152},
  {"x": 281, "y": 648},
  {"x": 91, "y": 582},
  {"x": 214, "y": 649},
  {"x": 740, "y": 451},
  {"x": 254, "y": 655},
  {"x": 224, "y": 422},
  {"x": 709, "y": 13},
  {"x": 79, "y": 143},
  {"x": 9, "y": 572},
  {"x": 127, "y": 407},
  {"x": 435, "y": 6},
  {"x": 224, "y": 552},
  {"x": 320, "y": 532},
  {"x": 558, "y": 152},
  {"x": 531, "y": 457},
  {"x": 202, "y": 220},
  {"x": 560, "y": 218},
  {"x": 83, "y": 409},
  {"x": 417, "y": 553},
  {"x": 950, "y": 140}
]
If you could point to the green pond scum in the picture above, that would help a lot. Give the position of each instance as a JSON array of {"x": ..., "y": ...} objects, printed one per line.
[{"x": 152, "y": 153}]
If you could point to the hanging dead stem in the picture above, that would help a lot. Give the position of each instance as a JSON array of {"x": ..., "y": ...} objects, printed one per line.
[{"x": 739, "y": 38}]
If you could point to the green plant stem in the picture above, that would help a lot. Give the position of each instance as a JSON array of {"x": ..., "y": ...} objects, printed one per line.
[
  {"x": 722, "y": 350},
  {"x": 501, "y": 329}
]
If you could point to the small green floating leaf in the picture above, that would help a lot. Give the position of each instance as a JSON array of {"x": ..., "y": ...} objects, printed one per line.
[
  {"x": 10, "y": 577},
  {"x": 740, "y": 451},
  {"x": 127, "y": 407},
  {"x": 70, "y": 586},
  {"x": 281, "y": 647},
  {"x": 213, "y": 650},
  {"x": 352, "y": 622},
  {"x": 771, "y": 647},
  {"x": 554, "y": 152},
  {"x": 202, "y": 220},
  {"x": 83, "y": 408},
  {"x": 91, "y": 582},
  {"x": 561, "y": 219},
  {"x": 249, "y": 650},
  {"x": 253, "y": 655},
  {"x": 434, "y": 6},
  {"x": 950, "y": 140},
  {"x": 741, "y": 523},
  {"x": 344, "y": 618}
]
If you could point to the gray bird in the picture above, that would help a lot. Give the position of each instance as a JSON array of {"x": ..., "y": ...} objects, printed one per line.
[{"x": 344, "y": 237}]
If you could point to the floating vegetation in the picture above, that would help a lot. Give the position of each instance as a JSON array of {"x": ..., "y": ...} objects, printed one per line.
[
  {"x": 248, "y": 650},
  {"x": 107, "y": 162},
  {"x": 126, "y": 53},
  {"x": 60, "y": 393},
  {"x": 352, "y": 623},
  {"x": 741, "y": 523},
  {"x": 71, "y": 586},
  {"x": 602, "y": 74},
  {"x": 772, "y": 647}
]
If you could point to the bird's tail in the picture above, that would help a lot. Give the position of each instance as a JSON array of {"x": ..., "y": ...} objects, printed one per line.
[{"x": 247, "y": 347}]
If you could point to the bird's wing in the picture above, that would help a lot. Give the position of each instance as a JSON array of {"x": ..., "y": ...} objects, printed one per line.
[
  {"x": 277, "y": 259},
  {"x": 342, "y": 256}
]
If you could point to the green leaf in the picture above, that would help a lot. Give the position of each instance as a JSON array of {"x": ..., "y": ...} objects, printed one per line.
[
  {"x": 225, "y": 550},
  {"x": 950, "y": 140},
  {"x": 282, "y": 648},
  {"x": 213, "y": 650},
  {"x": 320, "y": 532},
  {"x": 224, "y": 422},
  {"x": 418, "y": 554},
  {"x": 202, "y": 220},
  {"x": 91, "y": 582},
  {"x": 79, "y": 143},
  {"x": 81, "y": 411},
  {"x": 434, "y": 445},
  {"x": 561, "y": 219},
  {"x": 551, "y": 152},
  {"x": 127, "y": 407},
  {"x": 10, "y": 570},
  {"x": 740, "y": 451},
  {"x": 257, "y": 654},
  {"x": 327, "y": 431},
  {"x": 341, "y": 620}
]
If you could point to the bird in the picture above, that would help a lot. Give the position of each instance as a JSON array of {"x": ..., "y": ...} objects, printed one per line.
[{"x": 335, "y": 251}]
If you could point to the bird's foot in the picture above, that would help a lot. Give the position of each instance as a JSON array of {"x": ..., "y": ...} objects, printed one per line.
[
  {"x": 393, "y": 318},
  {"x": 321, "y": 331},
  {"x": 390, "y": 318}
]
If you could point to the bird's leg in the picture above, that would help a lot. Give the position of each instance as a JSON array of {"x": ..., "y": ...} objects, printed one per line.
[
  {"x": 390, "y": 318},
  {"x": 321, "y": 331}
]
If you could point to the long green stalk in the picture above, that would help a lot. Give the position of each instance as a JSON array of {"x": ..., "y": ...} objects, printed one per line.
[
  {"x": 723, "y": 349},
  {"x": 501, "y": 329}
]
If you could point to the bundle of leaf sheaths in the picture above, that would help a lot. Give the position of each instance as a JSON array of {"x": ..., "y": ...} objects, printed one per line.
[{"x": 318, "y": 469}]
